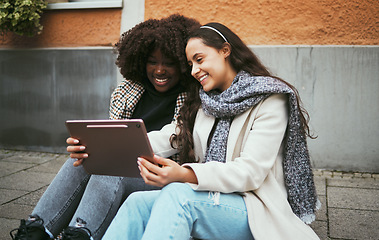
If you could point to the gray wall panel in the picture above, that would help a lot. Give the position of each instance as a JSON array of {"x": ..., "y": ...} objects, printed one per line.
[
  {"x": 41, "y": 88},
  {"x": 339, "y": 85}
]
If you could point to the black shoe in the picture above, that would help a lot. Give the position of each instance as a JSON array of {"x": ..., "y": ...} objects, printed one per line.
[
  {"x": 31, "y": 229},
  {"x": 79, "y": 232},
  {"x": 75, "y": 233}
]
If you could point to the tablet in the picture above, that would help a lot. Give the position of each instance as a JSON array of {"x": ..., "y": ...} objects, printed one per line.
[{"x": 113, "y": 146}]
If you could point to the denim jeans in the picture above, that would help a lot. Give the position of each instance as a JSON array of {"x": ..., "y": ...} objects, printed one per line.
[
  {"x": 178, "y": 212},
  {"x": 73, "y": 193}
]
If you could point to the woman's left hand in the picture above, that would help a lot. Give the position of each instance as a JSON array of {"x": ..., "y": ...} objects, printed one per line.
[{"x": 169, "y": 171}]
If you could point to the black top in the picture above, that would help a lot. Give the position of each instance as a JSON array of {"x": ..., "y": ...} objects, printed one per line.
[{"x": 156, "y": 108}]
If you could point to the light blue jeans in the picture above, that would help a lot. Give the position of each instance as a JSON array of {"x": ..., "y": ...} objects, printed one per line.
[
  {"x": 74, "y": 193},
  {"x": 178, "y": 212}
]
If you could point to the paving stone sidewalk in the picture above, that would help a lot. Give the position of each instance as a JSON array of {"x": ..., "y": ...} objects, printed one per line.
[{"x": 350, "y": 206}]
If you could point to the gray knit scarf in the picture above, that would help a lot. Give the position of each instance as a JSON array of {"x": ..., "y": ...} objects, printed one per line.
[{"x": 245, "y": 92}]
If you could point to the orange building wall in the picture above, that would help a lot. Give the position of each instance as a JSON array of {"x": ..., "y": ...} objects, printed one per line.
[
  {"x": 72, "y": 28},
  {"x": 258, "y": 22},
  {"x": 283, "y": 22}
]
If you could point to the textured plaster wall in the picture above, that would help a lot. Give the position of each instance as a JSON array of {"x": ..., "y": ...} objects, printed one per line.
[
  {"x": 258, "y": 22},
  {"x": 283, "y": 22},
  {"x": 72, "y": 28}
]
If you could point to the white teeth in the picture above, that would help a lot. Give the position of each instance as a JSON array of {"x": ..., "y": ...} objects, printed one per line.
[
  {"x": 203, "y": 77},
  {"x": 161, "y": 80}
]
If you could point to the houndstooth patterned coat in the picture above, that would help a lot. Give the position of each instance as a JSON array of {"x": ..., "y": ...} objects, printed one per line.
[{"x": 126, "y": 96}]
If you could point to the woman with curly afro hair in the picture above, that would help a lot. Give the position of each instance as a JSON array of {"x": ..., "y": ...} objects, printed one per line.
[{"x": 151, "y": 58}]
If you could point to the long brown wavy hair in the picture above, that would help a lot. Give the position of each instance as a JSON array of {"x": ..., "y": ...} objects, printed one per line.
[{"x": 241, "y": 58}]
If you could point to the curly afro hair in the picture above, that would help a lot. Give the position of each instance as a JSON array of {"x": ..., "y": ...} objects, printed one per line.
[{"x": 167, "y": 34}]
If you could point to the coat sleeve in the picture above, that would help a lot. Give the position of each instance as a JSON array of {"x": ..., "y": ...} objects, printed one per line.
[
  {"x": 160, "y": 140},
  {"x": 124, "y": 99},
  {"x": 258, "y": 154}
]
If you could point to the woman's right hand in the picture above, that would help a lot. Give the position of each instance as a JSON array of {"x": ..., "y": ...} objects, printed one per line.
[{"x": 76, "y": 150}]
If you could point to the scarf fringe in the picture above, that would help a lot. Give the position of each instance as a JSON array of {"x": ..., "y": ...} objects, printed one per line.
[
  {"x": 215, "y": 197},
  {"x": 311, "y": 217},
  {"x": 308, "y": 218},
  {"x": 318, "y": 204}
]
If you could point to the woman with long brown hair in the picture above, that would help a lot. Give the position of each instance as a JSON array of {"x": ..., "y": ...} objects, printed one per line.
[{"x": 242, "y": 139}]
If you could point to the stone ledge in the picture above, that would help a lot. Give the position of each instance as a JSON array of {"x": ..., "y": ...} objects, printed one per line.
[{"x": 341, "y": 174}]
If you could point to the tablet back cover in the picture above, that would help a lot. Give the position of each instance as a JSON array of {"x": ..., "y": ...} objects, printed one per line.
[{"x": 113, "y": 146}]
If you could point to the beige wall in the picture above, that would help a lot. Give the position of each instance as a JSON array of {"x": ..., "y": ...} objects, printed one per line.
[{"x": 283, "y": 22}]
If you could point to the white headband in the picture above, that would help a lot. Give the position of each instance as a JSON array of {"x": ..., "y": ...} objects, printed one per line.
[{"x": 217, "y": 31}]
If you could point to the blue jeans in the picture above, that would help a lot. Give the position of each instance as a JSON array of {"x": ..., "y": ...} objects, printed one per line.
[
  {"x": 178, "y": 212},
  {"x": 73, "y": 193}
]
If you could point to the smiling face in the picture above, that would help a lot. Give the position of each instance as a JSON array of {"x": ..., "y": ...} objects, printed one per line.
[
  {"x": 162, "y": 71},
  {"x": 209, "y": 65}
]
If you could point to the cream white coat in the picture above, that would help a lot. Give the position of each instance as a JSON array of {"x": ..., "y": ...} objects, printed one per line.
[{"x": 253, "y": 167}]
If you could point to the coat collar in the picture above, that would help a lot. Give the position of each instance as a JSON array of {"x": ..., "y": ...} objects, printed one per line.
[{"x": 240, "y": 125}]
